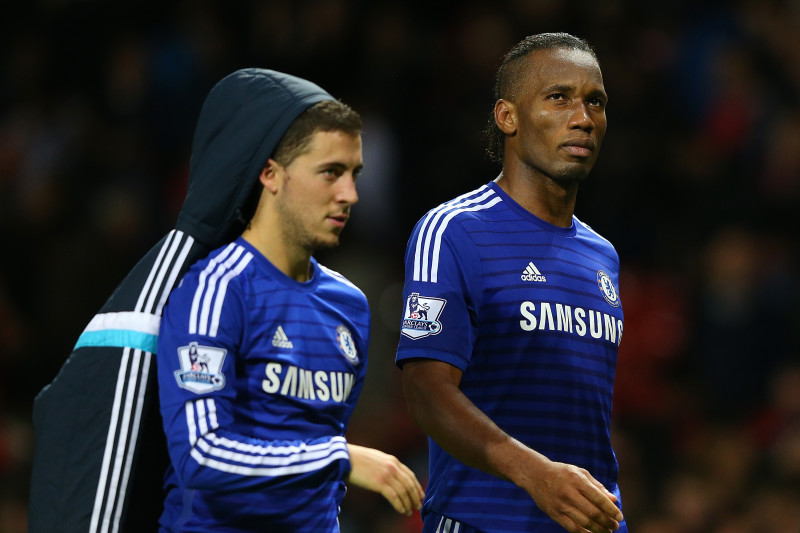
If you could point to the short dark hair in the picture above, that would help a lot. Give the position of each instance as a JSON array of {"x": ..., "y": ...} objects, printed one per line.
[
  {"x": 509, "y": 77},
  {"x": 328, "y": 115}
]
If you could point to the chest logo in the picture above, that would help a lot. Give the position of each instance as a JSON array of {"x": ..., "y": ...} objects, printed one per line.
[
  {"x": 531, "y": 273},
  {"x": 346, "y": 343},
  {"x": 281, "y": 340},
  {"x": 421, "y": 316},
  {"x": 607, "y": 288},
  {"x": 201, "y": 368}
]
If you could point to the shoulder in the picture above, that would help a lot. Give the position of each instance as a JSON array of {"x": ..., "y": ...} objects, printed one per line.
[
  {"x": 475, "y": 205},
  {"x": 210, "y": 294},
  {"x": 337, "y": 282},
  {"x": 595, "y": 241},
  {"x": 446, "y": 238},
  {"x": 224, "y": 268},
  {"x": 590, "y": 233},
  {"x": 468, "y": 205}
]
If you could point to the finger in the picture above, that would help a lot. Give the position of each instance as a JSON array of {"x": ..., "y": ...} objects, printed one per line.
[
  {"x": 590, "y": 514},
  {"x": 405, "y": 503},
  {"x": 410, "y": 485},
  {"x": 395, "y": 500},
  {"x": 595, "y": 521},
  {"x": 592, "y": 517},
  {"x": 602, "y": 488},
  {"x": 410, "y": 491},
  {"x": 585, "y": 507},
  {"x": 399, "y": 492},
  {"x": 410, "y": 499},
  {"x": 580, "y": 522},
  {"x": 603, "y": 500},
  {"x": 572, "y": 526},
  {"x": 415, "y": 488}
]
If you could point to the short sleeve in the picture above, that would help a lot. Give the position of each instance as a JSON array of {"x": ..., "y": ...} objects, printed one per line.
[{"x": 442, "y": 284}]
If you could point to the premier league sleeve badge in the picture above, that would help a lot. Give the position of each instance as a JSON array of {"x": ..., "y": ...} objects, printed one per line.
[
  {"x": 421, "y": 316},
  {"x": 201, "y": 368}
]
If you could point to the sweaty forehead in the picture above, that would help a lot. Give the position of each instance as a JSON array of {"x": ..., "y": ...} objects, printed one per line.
[
  {"x": 579, "y": 58},
  {"x": 560, "y": 66}
]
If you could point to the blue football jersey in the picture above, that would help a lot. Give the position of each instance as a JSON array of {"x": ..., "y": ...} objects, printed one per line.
[
  {"x": 258, "y": 376},
  {"x": 531, "y": 314}
]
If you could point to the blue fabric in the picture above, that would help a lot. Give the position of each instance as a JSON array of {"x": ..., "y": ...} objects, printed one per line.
[
  {"x": 242, "y": 120},
  {"x": 258, "y": 376},
  {"x": 530, "y": 313}
]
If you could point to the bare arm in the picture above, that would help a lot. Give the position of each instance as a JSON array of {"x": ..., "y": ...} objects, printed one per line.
[
  {"x": 383, "y": 473},
  {"x": 568, "y": 494}
]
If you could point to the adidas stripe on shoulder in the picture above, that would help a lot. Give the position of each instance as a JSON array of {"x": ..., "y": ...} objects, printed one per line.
[
  {"x": 212, "y": 286},
  {"x": 429, "y": 239},
  {"x": 337, "y": 276},
  {"x": 589, "y": 228}
]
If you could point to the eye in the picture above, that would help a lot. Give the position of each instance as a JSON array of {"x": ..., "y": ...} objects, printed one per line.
[
  {"x": 556, "y": 96},
  {"x": 331, "y": 172},
  {"x": 597, "y": 102},
  {"x": 597, "y": 99}
]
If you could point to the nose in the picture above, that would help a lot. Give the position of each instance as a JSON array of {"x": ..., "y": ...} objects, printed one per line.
[
  {"x": 347, "y": 193},
  {"x": 581, "y": 119}
]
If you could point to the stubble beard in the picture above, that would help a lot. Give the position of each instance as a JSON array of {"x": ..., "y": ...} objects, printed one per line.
[
  {"x": 571, "y": 176},
  {"x": 296, "y": 231}
]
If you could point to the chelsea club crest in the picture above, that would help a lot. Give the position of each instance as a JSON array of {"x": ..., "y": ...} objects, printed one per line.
[
  {"x": 346, "y": 343},
  {"x": 607, "y": 288}
]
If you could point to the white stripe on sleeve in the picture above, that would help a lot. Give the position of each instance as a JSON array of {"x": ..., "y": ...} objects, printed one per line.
[
  {"x": 438, "y": 241},
  {"x": 205, "y": 311},
  {"x": 423, "y": 228},
  {"x": 223, "y": 287},
  {"x": 426, "y": 260},
  {"x": 201, "y": 286},
  {"x": 253, "y": 460}
]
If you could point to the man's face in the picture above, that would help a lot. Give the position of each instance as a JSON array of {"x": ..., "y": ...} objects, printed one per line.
[
  {"x": 561, "y": 114},
  {"x": 319, "y": 189}
]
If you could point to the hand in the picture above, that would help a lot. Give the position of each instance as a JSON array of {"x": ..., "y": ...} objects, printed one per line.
[
  {"x": 380, "y": 472},
  {"x": 573, "y": 498}
]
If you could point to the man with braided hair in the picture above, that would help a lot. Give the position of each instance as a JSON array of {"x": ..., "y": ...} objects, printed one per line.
[{"x": 511, "y": 372}]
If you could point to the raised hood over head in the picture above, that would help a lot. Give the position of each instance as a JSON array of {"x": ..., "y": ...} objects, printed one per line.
[
  {"x": 241, "y": 122},
  {"x": 88, "y": 471}
]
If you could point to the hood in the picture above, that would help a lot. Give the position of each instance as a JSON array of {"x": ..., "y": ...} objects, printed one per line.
[{"x": 241, "y": 122}]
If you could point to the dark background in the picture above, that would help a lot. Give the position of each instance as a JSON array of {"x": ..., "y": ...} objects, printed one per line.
[{"x": 697, "y": 185}]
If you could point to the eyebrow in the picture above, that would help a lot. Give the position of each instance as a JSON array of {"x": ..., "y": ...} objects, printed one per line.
[
  {"x": 565, "y": 88},
  {"x": 338, "y": 165},
  {"x": 558, "y": 87},
  {"x": 601, "y": 95}
]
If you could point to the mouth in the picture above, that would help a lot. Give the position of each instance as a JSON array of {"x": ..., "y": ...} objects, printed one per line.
[
  {"x": 582, "y": 148},
  {"x": 338, "y": 221}
]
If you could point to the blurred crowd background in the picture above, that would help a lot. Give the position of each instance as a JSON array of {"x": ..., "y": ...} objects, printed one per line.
[{"x": 697, "y": 185}]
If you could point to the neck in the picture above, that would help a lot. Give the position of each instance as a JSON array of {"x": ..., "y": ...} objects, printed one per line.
[
  {"x": 291, "y": 260},
  {"x": 541, "y": 195}
]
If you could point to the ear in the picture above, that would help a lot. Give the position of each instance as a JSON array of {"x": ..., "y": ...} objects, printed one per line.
[
  {"x": 269, "y": 177},
  {"x": 505, "y": 116}
]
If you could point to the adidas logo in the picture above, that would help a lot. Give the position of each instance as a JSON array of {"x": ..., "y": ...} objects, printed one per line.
[
  {"x": 280, "y": 340},
  {"x": 531, "y": 273}
]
